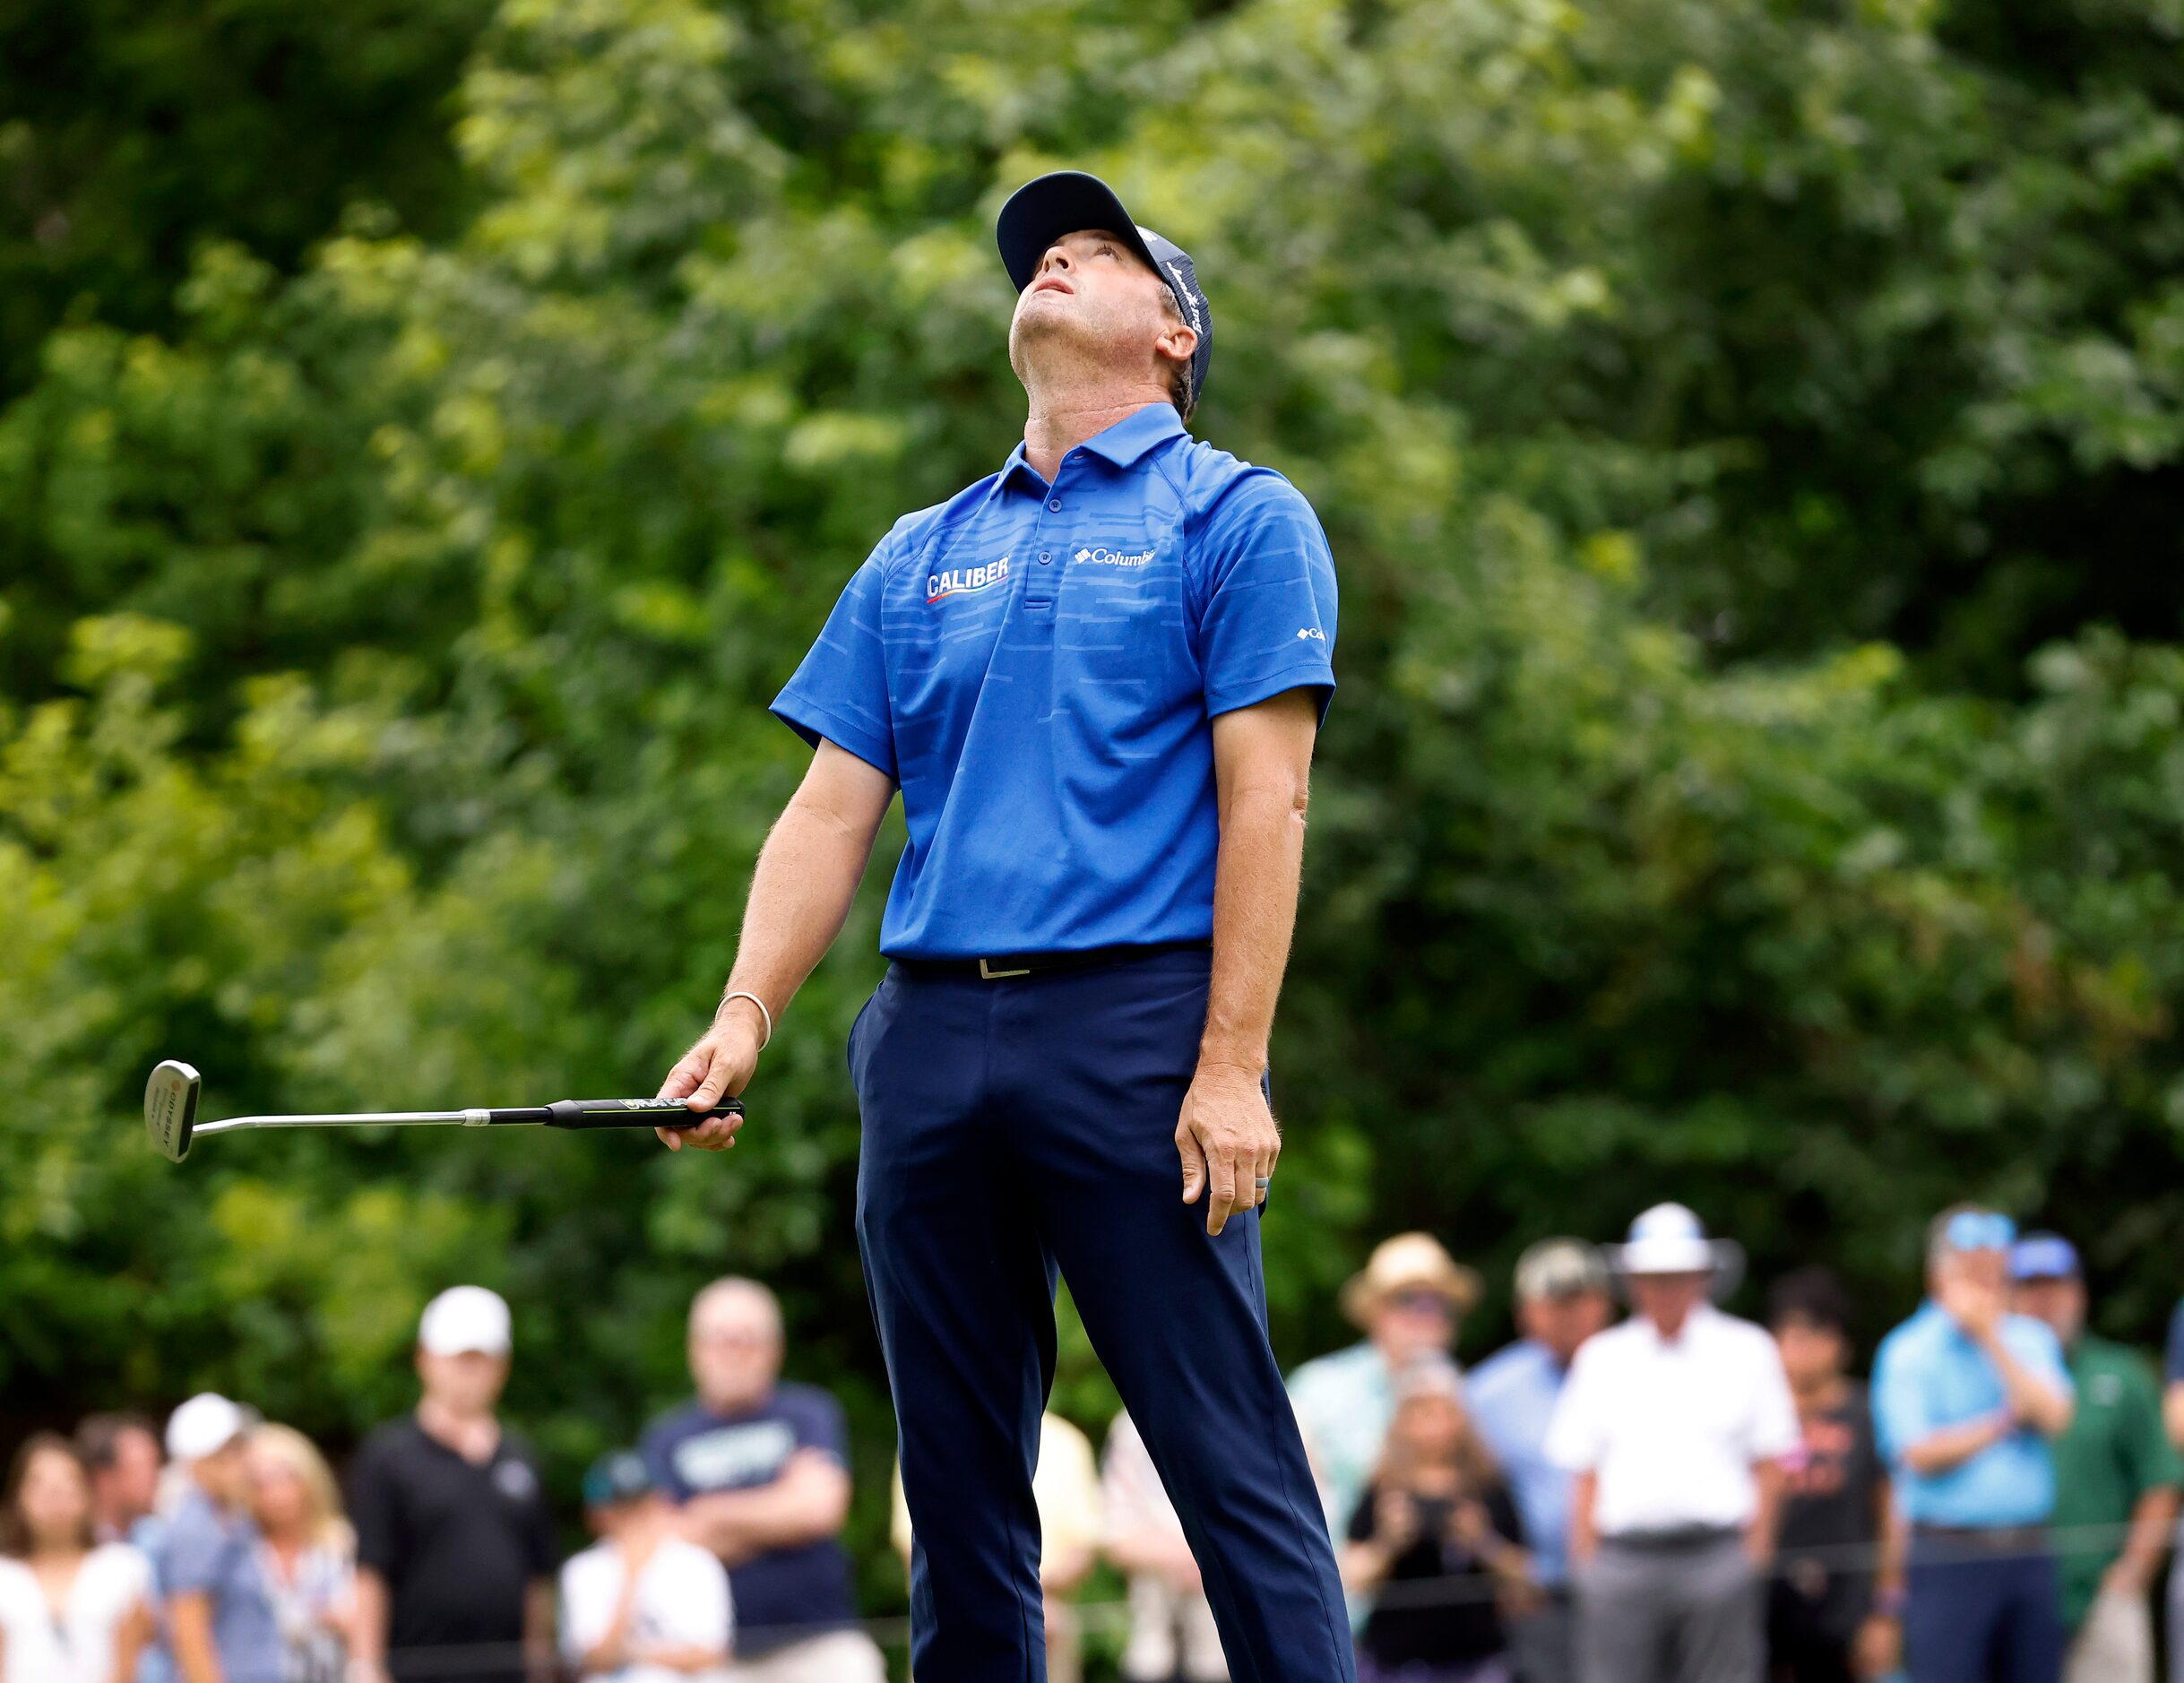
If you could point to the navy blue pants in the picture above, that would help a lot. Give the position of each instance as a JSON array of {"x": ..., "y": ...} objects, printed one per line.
[
  {"x": 1981, "y": 1618},
  {"x": 1012, "y": 1128}
]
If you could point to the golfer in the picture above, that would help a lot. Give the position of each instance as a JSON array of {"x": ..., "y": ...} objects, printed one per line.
[{"x": 1096, "y": 676}]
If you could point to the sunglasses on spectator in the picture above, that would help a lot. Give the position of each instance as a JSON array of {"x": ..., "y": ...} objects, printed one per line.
[
  {"x": 1980, "y": 1229},
  {"x": 1422, "y": 1303}
]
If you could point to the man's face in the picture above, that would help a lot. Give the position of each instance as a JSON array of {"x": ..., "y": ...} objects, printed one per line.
[
  {"x": 1812, "y": 1352},
  {"x": 224, "y": 1475},
  {"x": 1667, "y": 1300},
  {"x": 2061, "y": 1303},
  {"x": 468, "y": 1382},
  {"x": 129, "y": 1488},
  {"x": 1987, "y": 1268},
  {"x": 1093, "y": 299},
  {"x": 735, "y": 1352},
  {"x": 1410, "y": 1323},
  {"x": 1563, "y": 1321}
]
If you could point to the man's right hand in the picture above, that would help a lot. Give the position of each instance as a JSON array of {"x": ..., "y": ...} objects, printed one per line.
[
  {"x": 1974, "y": 1305},
  {"x": 720, "y": 1065}
]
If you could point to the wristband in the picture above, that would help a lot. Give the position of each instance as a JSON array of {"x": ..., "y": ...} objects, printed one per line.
[
  {"x": 762, "y": 1011},
  {"x": 1890, "y": 1603}
]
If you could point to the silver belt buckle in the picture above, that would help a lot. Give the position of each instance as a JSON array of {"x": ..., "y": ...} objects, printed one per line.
[{"x": 988, "y": 974}]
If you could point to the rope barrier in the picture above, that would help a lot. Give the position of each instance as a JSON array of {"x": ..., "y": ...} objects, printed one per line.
[{"x": 1113, "y": 1618}]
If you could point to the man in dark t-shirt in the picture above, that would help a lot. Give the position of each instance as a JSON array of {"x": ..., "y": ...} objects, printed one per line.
[
  {"x": 760, "y": 1469},
  {"x": 455, "y": 1549},
  {"x": 1826, "y": 1620}
]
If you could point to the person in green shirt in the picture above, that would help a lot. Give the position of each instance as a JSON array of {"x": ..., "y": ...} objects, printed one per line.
[{"x": 2117, "y": 1478}]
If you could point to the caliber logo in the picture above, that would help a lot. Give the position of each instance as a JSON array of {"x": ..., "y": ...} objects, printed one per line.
[
  {"x": 1113, "y": 558},
  {"x": 962, "y": 581},
  {"x": 1315, "y": 632}
]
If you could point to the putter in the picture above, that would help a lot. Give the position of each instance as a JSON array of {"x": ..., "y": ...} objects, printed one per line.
[{"x": 170, "y": 1114}]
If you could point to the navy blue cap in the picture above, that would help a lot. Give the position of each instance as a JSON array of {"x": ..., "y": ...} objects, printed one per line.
[
  {"x": 1069, "y": 202},
  {"x": 2043, "y": 1256},
  {"x": 620, "y": 1475}
]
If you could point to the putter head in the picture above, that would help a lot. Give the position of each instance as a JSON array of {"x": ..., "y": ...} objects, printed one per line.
[{"x": 170, "y": 1109}]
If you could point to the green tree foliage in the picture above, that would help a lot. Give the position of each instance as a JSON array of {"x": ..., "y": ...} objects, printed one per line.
[{"x": 1744, "y": 429}]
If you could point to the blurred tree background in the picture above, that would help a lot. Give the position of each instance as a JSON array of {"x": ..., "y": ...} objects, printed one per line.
[{"x": 1751, "y": 433}]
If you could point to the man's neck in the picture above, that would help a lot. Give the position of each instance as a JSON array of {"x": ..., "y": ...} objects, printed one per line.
[
  {"x": 1820, "y": 1395},
  {"x": 1060, "y": 420},
  {"x": 473, "y": 1436}
]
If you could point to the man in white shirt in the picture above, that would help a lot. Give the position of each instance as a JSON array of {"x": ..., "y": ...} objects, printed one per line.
[
  {"x": 1672, "y": 1426},
  {"x": 642, "y": 1605}
]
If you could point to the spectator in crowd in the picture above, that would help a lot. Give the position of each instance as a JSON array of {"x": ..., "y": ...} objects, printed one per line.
[
  {"x": 2117, "y": 1477},
  {"x": 1965, "y": 1397},
  {"x": 1065, "y": 1489},
  {"x": 2172, "y": 1418},
  {"x": 760, "y": 1469},
  {"x": 309, "y": 1553},
  {"x": 1172, "y": 1637},
  {"x": 1434, "y": 1520},
  {"x": 1674, "y": 1425},
  {"x": 1410, "y": 1297},
  {"x": 642, "y": 1604},
  {"x": 123, "y": 1454},
  {"x": 218, "y": 1624},
  {"x": 1562, "y": 1299},
  {"x": 1831, "y": 1617},
  {"x": 72, "y": 1609},
  {"x": 456, "y": 1545}
]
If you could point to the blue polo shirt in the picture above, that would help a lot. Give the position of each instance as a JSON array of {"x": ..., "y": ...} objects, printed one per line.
[
  {"x": 1927, "y": 1374},
  {"x": 1037, "y": 666}
]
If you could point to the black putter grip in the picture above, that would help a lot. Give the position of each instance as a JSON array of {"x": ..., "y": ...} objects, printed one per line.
[{"x": 632, "y": 1113}]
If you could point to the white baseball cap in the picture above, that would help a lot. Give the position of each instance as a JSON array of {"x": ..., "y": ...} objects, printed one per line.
[
  {"x": 205, "y": 1425},
  {"x": 465, "y": 1319}
]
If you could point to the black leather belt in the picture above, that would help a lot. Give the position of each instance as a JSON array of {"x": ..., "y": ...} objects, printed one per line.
[
  {"x": 1673, "y": 1538},
  {"x": 1983, "y": 1539},
  {"x": 1009, "y": 966}
]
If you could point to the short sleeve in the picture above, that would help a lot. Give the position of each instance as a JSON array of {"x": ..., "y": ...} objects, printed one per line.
[
  {"x": 1901, "y": 1416},
  {"x": 541, "y": 1546},
  {"x": 375, "y": 1510},
  {"x": 1774, "y": 1427},
  {"x": 658, "y": 1448},
  {"x": 1267, "y": 596},
  {"x": 2154, "y": 1463},
  {"x": 196, "y": 1549},
  {"x": 577, "y": 1636},
  {"x": 1575, "y": 1439},
  {"x": 840, "y": 691},
  {"x": 705, "y": 1613},
  {"x": 816, "y": 1421}
]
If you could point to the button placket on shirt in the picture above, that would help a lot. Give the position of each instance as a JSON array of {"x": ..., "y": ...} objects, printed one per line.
[{"x": 1041, "y": 592}]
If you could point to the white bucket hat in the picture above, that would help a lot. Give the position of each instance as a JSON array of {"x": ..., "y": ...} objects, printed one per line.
[{"x": 1669, "y": 1239}]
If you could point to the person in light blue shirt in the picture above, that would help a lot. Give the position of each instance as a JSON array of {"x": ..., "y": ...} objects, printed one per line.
[
  {"x": 1562, "y": 1299},
  {"x": 1965, "y": 1399}
]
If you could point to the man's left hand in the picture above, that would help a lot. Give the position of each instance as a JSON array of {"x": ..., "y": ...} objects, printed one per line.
[{"x": 1226, "y": 1139}]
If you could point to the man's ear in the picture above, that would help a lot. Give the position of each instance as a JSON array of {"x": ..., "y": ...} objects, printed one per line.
[{"x": 1177, "y": 342}]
